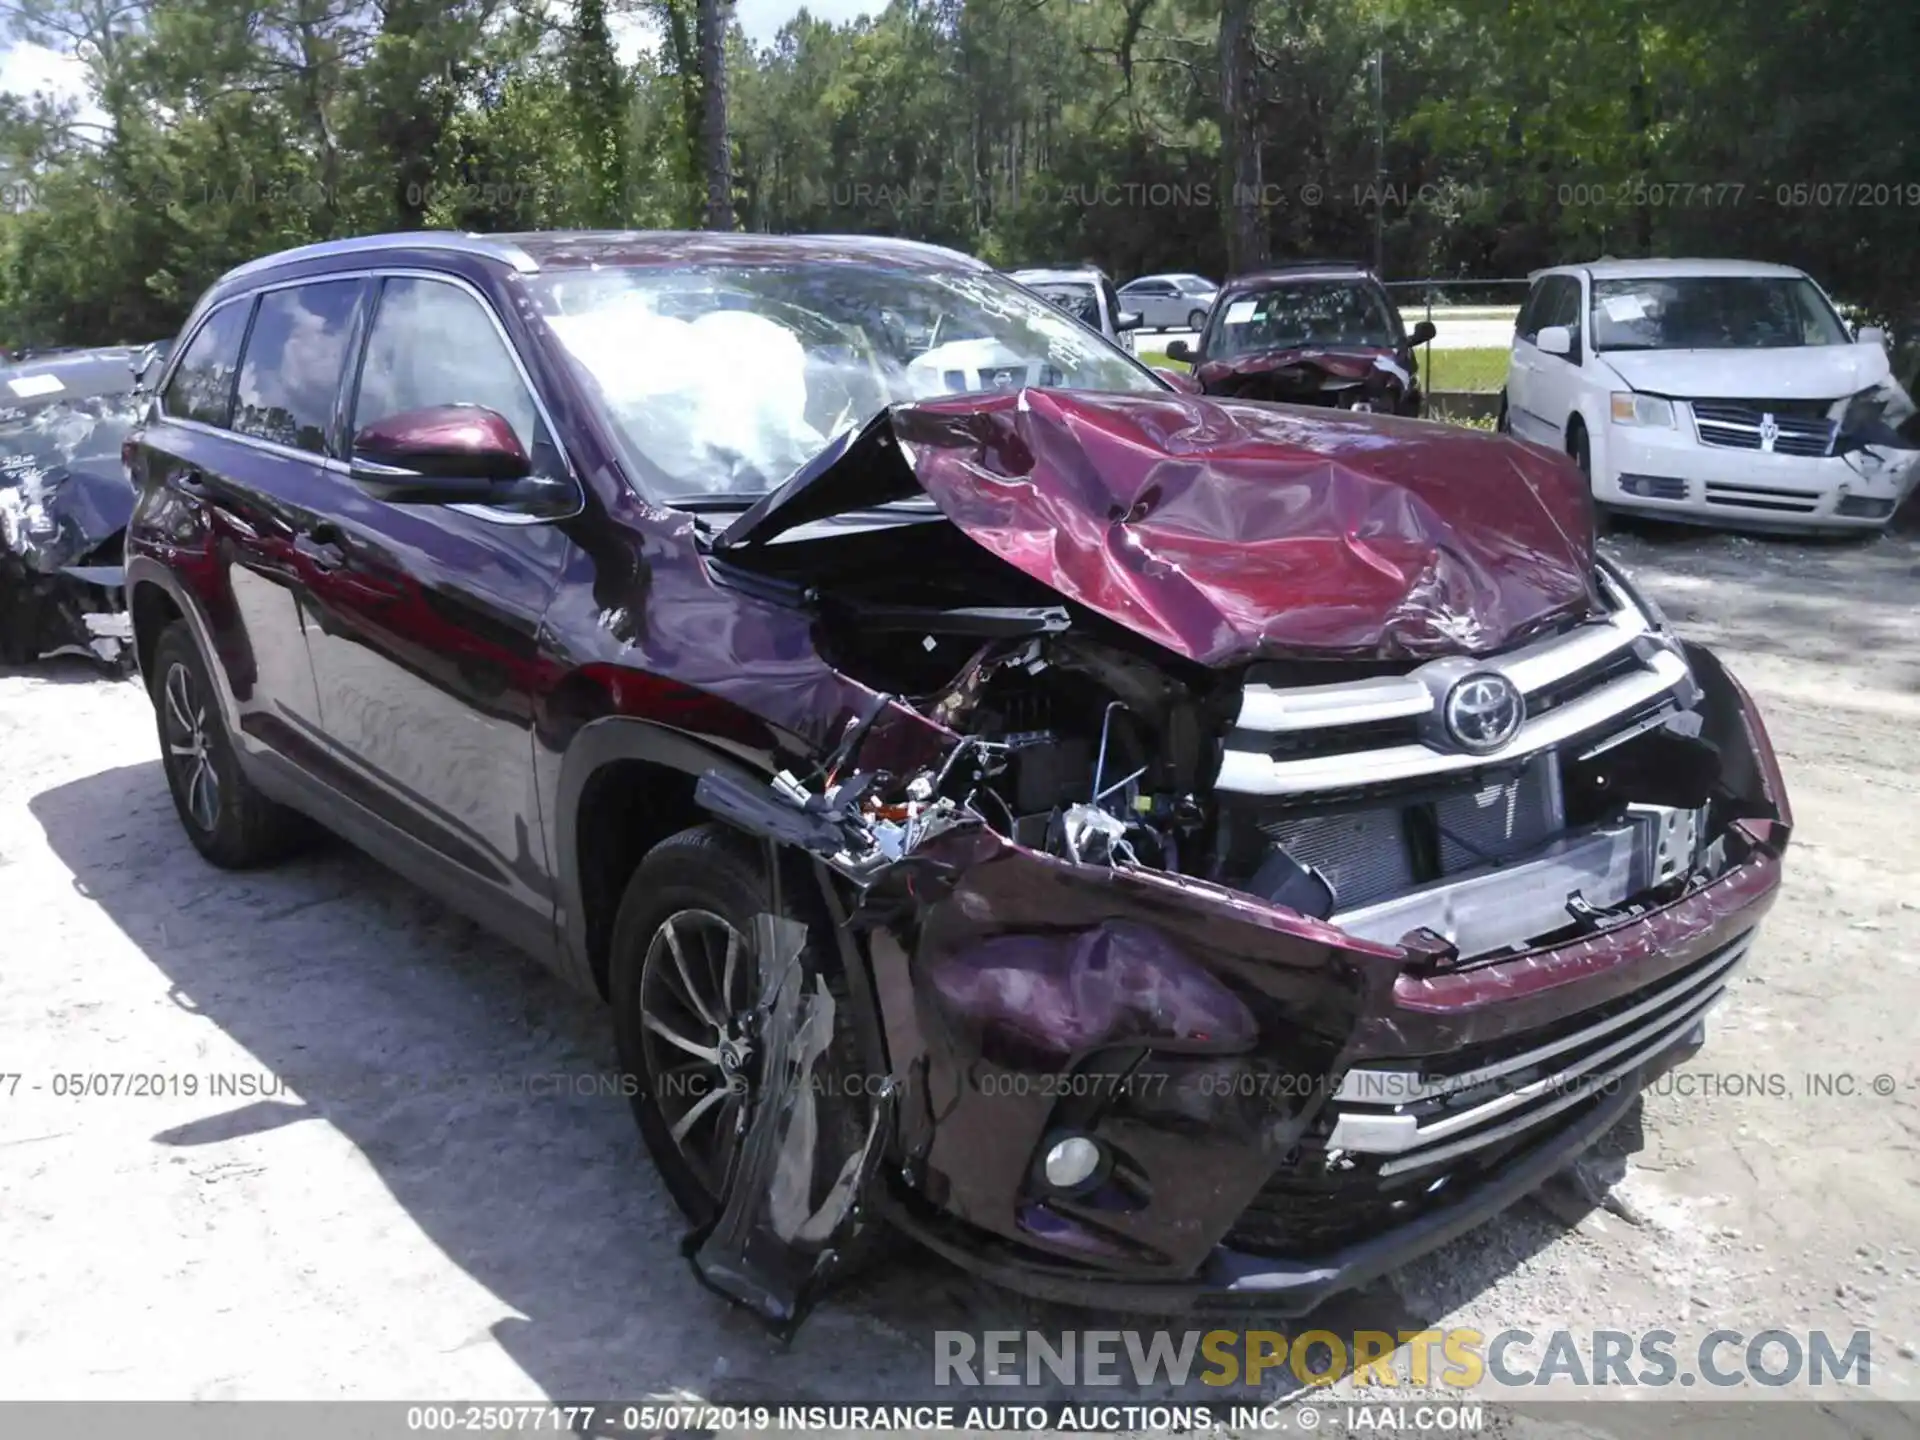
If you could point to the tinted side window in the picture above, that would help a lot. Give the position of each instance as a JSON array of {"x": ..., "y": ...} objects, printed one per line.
[
  {"x": 290, "y": 377},
  {"x": 202, "y": 385},
  {"x": 1114, "y": 307},
  {"x": 1561, "y": 306},
  {"x": 1526, "y": 325},
  {"x": 431, "y": 344}
]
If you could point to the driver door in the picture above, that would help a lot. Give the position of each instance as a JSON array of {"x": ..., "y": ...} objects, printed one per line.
[{"x": 427, "y": 655}]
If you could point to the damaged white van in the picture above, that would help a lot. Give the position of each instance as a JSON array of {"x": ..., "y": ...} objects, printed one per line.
[{"x": 1722, "y": 392}]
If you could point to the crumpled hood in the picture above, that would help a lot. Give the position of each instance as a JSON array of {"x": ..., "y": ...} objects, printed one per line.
[
  {"x": 1806, "y": 372},
  {"x": 1228, "y": 531},
  {"x": 1344, "y": 362}
]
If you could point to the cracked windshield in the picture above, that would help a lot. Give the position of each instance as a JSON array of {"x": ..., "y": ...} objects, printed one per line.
[{"x": 725, "y": 381}]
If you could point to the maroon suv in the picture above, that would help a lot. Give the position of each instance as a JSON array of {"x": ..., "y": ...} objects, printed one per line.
[
  {"x": 1312, "y": 333},
  {"x": 1152, "y": 849}
]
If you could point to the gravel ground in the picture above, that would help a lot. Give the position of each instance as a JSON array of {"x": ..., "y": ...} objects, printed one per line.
[{"x": 366, "y": 1196}]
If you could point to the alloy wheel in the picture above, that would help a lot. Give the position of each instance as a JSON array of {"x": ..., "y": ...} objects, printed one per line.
[
  {"x": 189, "y": 747},
  {"x": 696, "y": 1011}
]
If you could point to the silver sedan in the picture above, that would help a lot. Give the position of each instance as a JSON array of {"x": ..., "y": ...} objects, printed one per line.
[{"x": 1170, "y": 302}]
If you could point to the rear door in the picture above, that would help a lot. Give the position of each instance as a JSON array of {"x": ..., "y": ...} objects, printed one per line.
[
  {"x": 428, "y": 651},
  {"x": 1154, "y": 301},
  {"x": 249, "y": 479}
]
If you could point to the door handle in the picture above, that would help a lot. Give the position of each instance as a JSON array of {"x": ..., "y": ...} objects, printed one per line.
[{"x": 322, "y": 548}]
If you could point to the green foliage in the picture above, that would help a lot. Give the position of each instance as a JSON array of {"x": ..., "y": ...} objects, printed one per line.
[{"x": 1514, "y": 133}]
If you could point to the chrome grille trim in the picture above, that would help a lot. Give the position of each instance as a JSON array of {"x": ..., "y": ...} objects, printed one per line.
[
  {"x": 1651, "y": 1026},
  {"x": 1739, "y": 425},
  {"x": 1532, "y": 667},
  {"x": 1368, "y": 1086},
  {"x": 1582, "y": 1087},
  {"x": 1248, "y": 772}
]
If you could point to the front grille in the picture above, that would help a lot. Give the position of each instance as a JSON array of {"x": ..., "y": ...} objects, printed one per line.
[
  {"x": 1307, "y": 742},
  {"x": 1395, "y": 1142},
  {"x": 1784, "y": 427},
  {"x": 1415, "y": 1120},
  {"x": 1760, "y": 497}
]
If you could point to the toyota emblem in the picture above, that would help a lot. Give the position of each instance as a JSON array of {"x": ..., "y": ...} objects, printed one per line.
[
  {"x": 1484, "y": 712},
  {"x": 1769, "y": 431}
]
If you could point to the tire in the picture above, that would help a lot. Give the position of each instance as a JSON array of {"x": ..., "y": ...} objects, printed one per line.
[
  {"x": 692, "y": 879},
  {"x": 228, "y": 820},
  {"x": 1197, "y": 320},
  {"x": 1581, "y": 452},
  {"x": 1501, "y": 423}
]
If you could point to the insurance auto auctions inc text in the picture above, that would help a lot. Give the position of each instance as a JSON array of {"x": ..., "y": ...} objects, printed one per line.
[{"x": 1457, "y": 1358}]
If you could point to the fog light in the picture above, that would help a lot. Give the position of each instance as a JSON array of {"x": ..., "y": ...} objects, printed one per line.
[
  {"x": 1071, "y": 1162},
  {"x": 1864, "y": 507}
]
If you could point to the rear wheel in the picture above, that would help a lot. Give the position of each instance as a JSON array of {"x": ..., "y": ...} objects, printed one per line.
[
  {"x": 684, "y": 979},
  {"x": 228, "y": 820}
]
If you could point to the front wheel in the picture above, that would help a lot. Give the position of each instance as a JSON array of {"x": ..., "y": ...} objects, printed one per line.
[
  {"x": 1501, "y": 421},
  {"x": 1197, "y": 321},
  {"x": 685, "y": 982},
  {"x": 1581, "y": 451}
]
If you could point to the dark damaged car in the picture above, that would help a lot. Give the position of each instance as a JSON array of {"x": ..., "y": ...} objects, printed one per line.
[
  {"x": 1154, "y": 850},
  {"x": 65, "y": 499},
  {"x": 1309, "y": 334}
]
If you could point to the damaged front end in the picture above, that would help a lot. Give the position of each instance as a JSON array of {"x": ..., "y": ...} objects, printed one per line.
[
  {"x": 1343, "y": 378},
  {"x": 64, "y": 503},
  {"x": 1261, "y": 924}
]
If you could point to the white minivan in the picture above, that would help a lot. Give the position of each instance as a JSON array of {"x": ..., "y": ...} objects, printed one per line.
[{"x": 1722, "y": 391}]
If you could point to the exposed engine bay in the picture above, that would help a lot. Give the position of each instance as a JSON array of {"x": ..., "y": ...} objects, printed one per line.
[
  {"x": 1454, "y": 804},
  {"x": 1354, "y": 801}
]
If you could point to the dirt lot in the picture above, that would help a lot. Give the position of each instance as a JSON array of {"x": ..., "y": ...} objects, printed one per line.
[{"x": 374, "y": 1205}]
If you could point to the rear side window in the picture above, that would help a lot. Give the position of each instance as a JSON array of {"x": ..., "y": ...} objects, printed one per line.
[
  {"x": 296, "y": 351},
  {"x": 434, "y": 344},
  {"x": 202, "y": 385}
]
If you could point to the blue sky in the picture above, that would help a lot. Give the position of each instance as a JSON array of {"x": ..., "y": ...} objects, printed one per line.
[{"x": 25, "y": 69}]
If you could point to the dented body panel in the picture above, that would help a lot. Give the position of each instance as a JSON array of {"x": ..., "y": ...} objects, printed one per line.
[
  {"x": 1347, "y": 378},
  {"x": 1089, "y": 717},
  {"x": 1231, "y": 532},
  {"x": 64, "y": 502}
]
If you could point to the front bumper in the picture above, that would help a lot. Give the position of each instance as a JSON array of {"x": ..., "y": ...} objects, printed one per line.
[
  {"x": 1671, "y": 475},
  {"x": 1209, "y": 1043}
]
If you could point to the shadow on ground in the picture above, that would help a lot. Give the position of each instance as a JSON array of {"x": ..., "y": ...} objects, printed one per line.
[{"x": 477, "y": 1087}]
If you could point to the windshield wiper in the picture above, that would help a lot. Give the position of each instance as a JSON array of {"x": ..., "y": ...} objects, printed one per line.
[{"x": 717, "y": 504}]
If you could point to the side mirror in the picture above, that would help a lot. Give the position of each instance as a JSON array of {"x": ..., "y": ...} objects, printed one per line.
[
  {"x": 442, "y": 455},
  {"x": 1126, "y": 320},
  {"x": 1870, "y": 335},
  {"x": 144, "y": 365},
  {"x": 1555, "y": 340},
  {"x": 1422, "y": 333},
  {"x": 1181, "y": 380},
  {"x": 1180, "y": 350}
]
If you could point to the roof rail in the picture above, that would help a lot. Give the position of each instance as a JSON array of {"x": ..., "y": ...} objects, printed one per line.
[
  {"x": 1313, "y": 265},
  {"x": 455, "y": 241}
]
